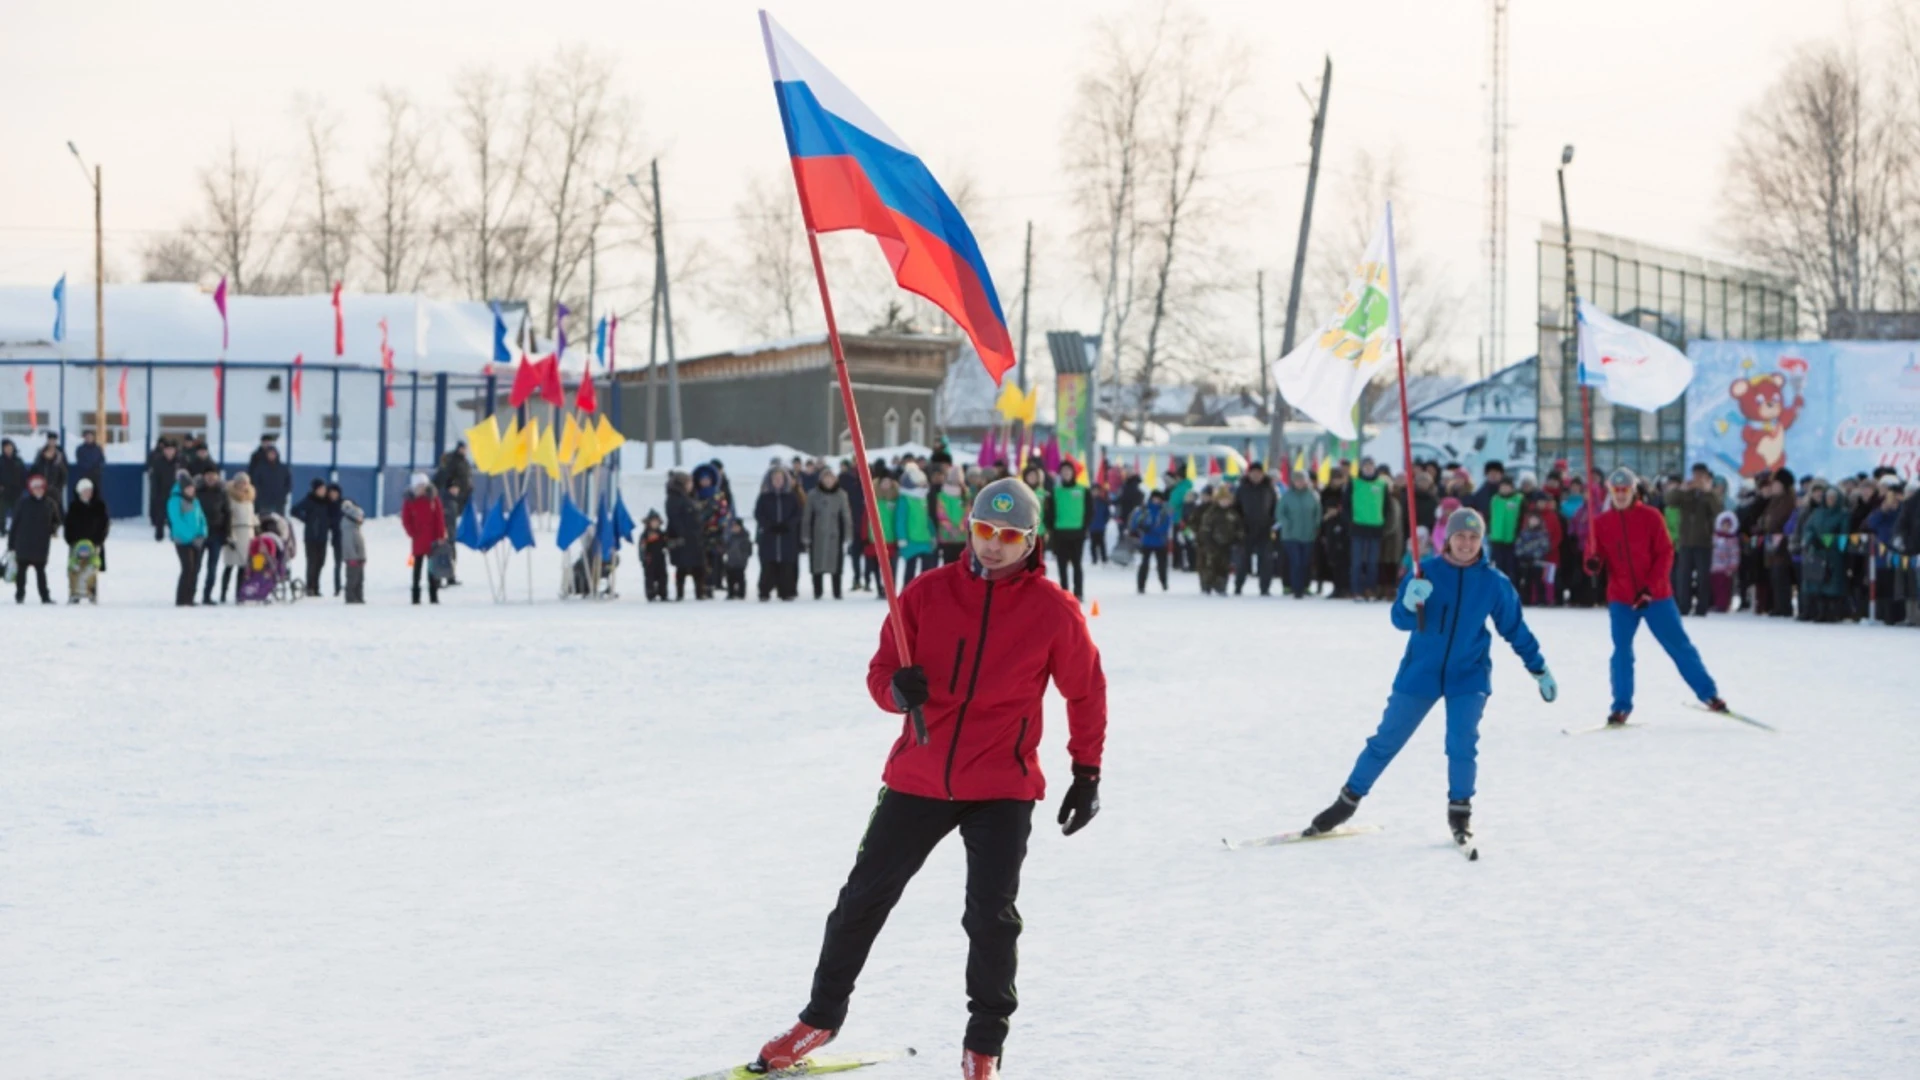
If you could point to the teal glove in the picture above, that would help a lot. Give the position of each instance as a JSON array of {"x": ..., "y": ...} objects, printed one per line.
[
  {"x": 1548, "y": 688},
  {"x": 1417, "y": 592}
]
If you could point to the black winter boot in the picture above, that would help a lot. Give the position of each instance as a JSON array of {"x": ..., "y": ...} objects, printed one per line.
[
  {"x": 1459, "y": 817},
  {"x": 1333, "y": 816}
]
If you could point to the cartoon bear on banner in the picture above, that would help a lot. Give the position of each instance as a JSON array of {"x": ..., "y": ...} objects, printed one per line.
[{"x": 1762, "y": 400}]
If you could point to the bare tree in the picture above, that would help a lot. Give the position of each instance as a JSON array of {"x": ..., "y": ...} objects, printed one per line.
[
  {"x": 172, "y": 257},
  {"x": 398, "y": 228},
  {"x": 491, "y": 247},
  {"x": 1427, "y": 304},
  {"x": 233, "y": 232},
  {"x": 1185, "y": 124},
  {"x": 1815, "y": 182},
  {"x": 589, "y": 137},
  {"x": 1104, "y": 148},
  {"x": 770, "y": 289},
  {"x": 323, "y": 246}
]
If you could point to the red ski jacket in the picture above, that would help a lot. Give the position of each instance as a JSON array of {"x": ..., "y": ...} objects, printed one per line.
[
  {"x": 1638, "y": 553},
  {"x": 988, "y": 648},
  {"x": 424, "y": 521}
]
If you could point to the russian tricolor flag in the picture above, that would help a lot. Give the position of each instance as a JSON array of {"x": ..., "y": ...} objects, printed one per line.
[{"x": 853, "y": 172}]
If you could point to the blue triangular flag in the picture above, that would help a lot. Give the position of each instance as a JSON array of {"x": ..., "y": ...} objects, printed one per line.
[
  {"x": 609, "y": 539},
  {"x": 600, "y": 341},
  {"x": 622, "y": 521},
  {"x": 500, "y": 353},
  {"x": 60, "y": 309},
  {"x": 520, "y": 526},
  {"x": 469, "y": 531},
  {"x": 494, "y": 528},
  {"x": 573, "y": 523}
]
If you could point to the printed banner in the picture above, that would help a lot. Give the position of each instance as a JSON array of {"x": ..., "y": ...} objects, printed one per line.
[
  {"x": 1073, "y": 417},
  {"x": 1820, "y": 408}
]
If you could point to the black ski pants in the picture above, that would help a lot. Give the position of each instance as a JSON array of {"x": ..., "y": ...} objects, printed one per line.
[
  {"x": 1256, "y": 557},
  {"x": 1692, "y": 581},
  {"x": 1148, "y": 556},
  {"x": 901, "y": 834},
  {"x": 1068, "y": 546},
  {"x": 39, "y": 568},
  {"x": 189, "y": 573}
]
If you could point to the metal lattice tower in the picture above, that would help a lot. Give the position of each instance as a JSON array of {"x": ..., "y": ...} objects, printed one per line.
[{"x": 1496, "y": 330}]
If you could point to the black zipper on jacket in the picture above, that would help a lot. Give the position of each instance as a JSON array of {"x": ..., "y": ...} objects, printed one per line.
[
  {"x": 973, "y": 678},
  {"x": 1019, "y": 758},
  {"x": 1447, "y": 653},
  {"x": 959, "y": 654}
]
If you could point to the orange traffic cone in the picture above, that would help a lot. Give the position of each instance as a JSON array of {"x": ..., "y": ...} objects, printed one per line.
[{"x": 1095, "y": 613}]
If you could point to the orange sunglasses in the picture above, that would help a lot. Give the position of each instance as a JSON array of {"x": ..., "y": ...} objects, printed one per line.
[{"x": 985, "y": 531}]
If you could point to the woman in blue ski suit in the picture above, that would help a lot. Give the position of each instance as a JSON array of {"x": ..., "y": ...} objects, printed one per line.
[{"x": 1447, "y": 658}]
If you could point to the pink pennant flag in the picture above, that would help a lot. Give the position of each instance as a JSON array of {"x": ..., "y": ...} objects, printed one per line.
[
  {"x": 386, "y": 362},
  {"x": 220, "y": 301}
]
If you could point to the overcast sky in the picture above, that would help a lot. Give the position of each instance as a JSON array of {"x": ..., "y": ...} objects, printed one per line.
[{"x": 1648, "y": 90}]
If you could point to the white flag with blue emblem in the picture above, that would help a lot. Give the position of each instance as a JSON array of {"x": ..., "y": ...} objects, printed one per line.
[{"x": 1631, "y": 366}]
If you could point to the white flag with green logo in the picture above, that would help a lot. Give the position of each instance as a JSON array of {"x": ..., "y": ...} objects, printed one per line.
[{"x": 1324, "y": 375}]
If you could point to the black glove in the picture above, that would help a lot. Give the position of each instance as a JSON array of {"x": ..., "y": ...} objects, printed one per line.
[
  {"x": 1082, "y": 801},
  {"x": 910, "y": 688},
  {"x": 1642, "y": 599},
  {"x": 1592, "y": 566}
]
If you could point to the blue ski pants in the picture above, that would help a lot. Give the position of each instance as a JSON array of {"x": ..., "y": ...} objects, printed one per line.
[
  {"x": 1663, "y": 618},
  {"x": 1402, "y": 719},
  {"x": 1364, "y": 563}
]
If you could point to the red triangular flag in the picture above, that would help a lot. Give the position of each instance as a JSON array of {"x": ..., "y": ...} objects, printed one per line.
[
  {"x": 550, "y": 386},
  {"x": 295, "y": 385},
  {"x": 33, "y": 405},
  {"x": 339, "y": 323},
  {"x": 386, "y": 362},
  {"x": 1213, "y": 466},
  {"x": 525, "y": 381},
  {"x": 586, "y": 400}
]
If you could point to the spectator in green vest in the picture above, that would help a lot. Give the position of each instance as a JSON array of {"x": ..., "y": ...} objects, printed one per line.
[
  {"x": 1503, "y": 526},
  {"x": 913, "y": 525},
  {"x": 886, "y": 498},
  {"x": 1366, "y": 518},
  {"x": 1065, "y": 518},
  {"x": 950, "y": 502}
]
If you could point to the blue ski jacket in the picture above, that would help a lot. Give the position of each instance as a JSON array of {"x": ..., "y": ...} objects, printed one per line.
[
  {"x": 1153, "y": 524},
  {"x": 1451, "y": 656}
]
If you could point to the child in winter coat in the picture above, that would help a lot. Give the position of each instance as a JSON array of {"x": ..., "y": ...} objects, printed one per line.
[
  {"x": 739, "y": 554},
  {"x": 653, "y": 556},
  {"x": 1533, "y": 549},
  {"x": 353, "y": 550},
  {"x": 1726, "y": 559}
]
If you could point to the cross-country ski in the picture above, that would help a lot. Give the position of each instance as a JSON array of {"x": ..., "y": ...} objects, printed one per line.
[
  {"x": 1302, "y": 835},
  {"x": 1732, "y": 715},
  {"x": 812, "y": 1065}
]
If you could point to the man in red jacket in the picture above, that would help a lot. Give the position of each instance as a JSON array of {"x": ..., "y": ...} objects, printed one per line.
[
  {"x": 986, "y": 633},
  {"x": 1631, "y": 541}
]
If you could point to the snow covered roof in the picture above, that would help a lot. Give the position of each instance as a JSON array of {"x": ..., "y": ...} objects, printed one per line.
[{"x": 178, "y": 322}]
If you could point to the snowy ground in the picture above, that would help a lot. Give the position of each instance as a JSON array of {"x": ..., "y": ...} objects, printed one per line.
[{"x": 599, "y": 841}]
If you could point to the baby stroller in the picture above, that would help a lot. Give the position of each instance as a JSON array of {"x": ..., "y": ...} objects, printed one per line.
[
  {"x": 83, "y": 573},
  {"x": 267, "y": 575}
]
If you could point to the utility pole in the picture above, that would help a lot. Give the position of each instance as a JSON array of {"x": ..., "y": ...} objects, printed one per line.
[
  {"x": 1277, "y": 433},
  {"x": 1573, "y": 328},
  {"x": 99, "y": 309},
  {"x": 666, "y": 311},
  {"x": 1260, "y": 309},
  {"x": 1026, "y": 285}
]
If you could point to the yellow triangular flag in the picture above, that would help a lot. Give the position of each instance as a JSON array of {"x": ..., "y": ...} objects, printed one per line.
[
  {"x": 590, "y": 454},
  {"x": 1152, "y": 479},
  {"x": 483, "y": 441},
  {"x": 545, "y": 455},
  {"x": 1009, "y": 403},
  {"x": 569, "y": 441},
  {"x": 513, "y": 446},
  {"x": 1193, "y": 468},
  {"x": 607, "y": 438},
  {"x": 1233, "y": 465},
  {"x": 1325, "y": 472}
]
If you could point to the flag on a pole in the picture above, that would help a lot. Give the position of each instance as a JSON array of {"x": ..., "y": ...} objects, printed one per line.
[
  {"x": 586, "y": 400},
  {"x": 569, "y": 442},
  {"x": 33, "y": 404},
  {"x": 1631, "y": 366},
  {"x": 520, "y": 526},
  {"x": 613, "y": 341},
  {"x": 296, "y": 383},
  {"x": 493, "y": 528},
  {"x": 124, "y": 421},
  {"x": 500, "y": 353},
  {"x": 561, "y": 311},
  {"x": 550, "y": 385},
  {"x": 600, "y": 341},
  {"x": 60, "y": 309},
  {"x": 220, "y": 301},
  {"x": 853, "y": 172},
  {"x": 573, "y": 523},
  {"x": 483, "y": 442},
  {"x": 1325, "y": 374},
  {"x": 386, "y": 363},
  {"x": 339, "y": 323},
  {"x": 608, "y": 538},
  {"x": 468, "y": 533}
]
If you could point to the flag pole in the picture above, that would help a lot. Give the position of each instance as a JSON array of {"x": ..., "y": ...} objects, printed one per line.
[
  {"x": 862, "y": 469},
  {"x": 1406, "y": 426}
]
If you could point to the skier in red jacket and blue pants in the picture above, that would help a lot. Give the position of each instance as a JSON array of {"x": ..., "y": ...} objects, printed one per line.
[
  {"x": 1630, "y": 540},
  {"x": 986, "y": 633}
]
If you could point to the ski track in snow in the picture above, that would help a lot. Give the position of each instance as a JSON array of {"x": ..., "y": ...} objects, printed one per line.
[{"x": 600, "y": 841}]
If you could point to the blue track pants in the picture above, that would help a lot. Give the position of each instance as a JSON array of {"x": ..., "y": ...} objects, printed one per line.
[
  {"x": 1402, "y": 719},
  {"x": 1663, "y": 618}
]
